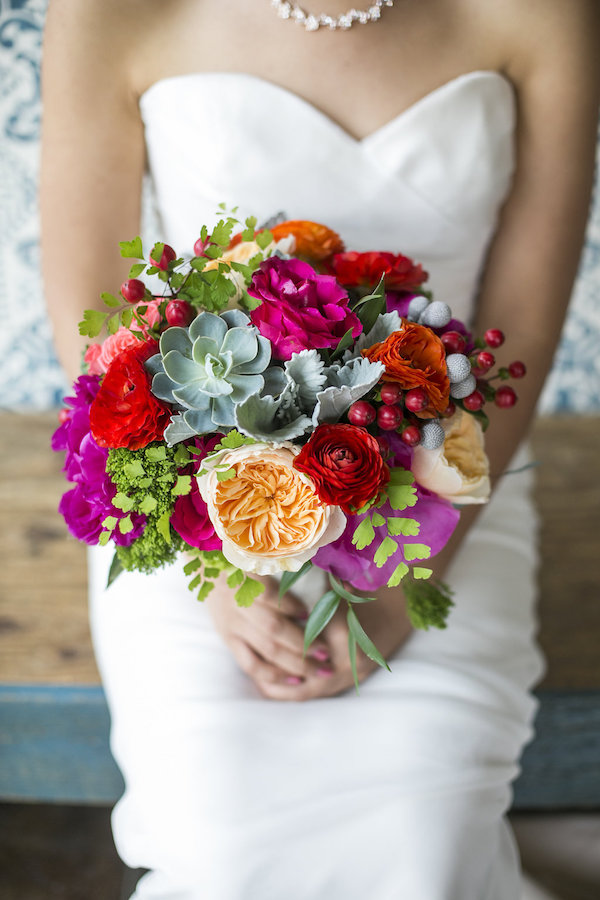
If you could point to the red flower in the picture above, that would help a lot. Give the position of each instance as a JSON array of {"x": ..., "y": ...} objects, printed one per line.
[
  {"x": 345, "y": 464},
  {"x": 125, "y": 413},
  {"x": 353, "y": 269}
]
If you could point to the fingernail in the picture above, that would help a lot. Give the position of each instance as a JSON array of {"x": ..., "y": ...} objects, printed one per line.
[
  {"x": 293, "y": 679},
  {"x": 320, "y": 654},
  {"x": 324, "y": 672}
]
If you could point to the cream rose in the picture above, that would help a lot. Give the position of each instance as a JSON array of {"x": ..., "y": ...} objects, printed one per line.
[
  {"x": 268, "y": 515},
  {"x": 459, "y": 469}
]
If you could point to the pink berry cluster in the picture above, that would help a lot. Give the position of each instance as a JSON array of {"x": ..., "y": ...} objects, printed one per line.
[
  {"x": 399, "y": 410},
  {"x": 177, "y": 312}
]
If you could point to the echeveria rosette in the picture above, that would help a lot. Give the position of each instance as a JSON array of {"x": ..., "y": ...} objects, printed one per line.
[
  {"x": 207, "y": 370},
  {"x": 300, "y": 309},
  {"x": 190, "y": 517},
  {"x": 89, "y": 503}
]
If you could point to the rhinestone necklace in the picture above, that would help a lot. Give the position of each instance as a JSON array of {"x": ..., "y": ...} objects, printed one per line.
[{"x": 287, "y": 10}]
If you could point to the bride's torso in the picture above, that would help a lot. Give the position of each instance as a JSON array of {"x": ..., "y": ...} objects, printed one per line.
[{"x": 395, "y": 147}]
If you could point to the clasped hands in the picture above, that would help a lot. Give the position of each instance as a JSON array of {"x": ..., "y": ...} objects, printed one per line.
[{"x": 267, "y": 641}]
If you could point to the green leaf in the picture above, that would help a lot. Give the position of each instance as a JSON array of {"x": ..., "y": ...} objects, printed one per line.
[
  {"x": 156, "y": 253},
  {"x": 364, "y": 642},
  {"x": 211, "y": 572},
  {"x": 427, "y": 603},
  {"x": 401, "y": 476},
  {"x": 352, "y": 655},
  {"x": 363, "y": 535},
  {"x": 264, "y": 238},
  {"x": 110, "y": 299},
  {"x": 248, "y": 591},
  {"x": 156, "y": 454},
  {"x": 148, "y": 504},
  {"x": 341, "y": 591},
  {"x": 113, "y": 323},
  {"x": 116, "y": 567},
  {"x": 421, "y": 573},
  {"x": 232, "y": 440},
  {"x": 181, "y": 456},
  {"x": 125, "y": 525},
  {"x": 386, "y": 549},
  {"x": 110, "y": 522},
  {"x": 321, "y": 615},
  {"x": 226, "y": 475},
  {"x": 342, "y": 346},
  {"x": 221, "y": 233},
  {"x": 205, "y": 591},
  {"x": 182, "y": 486},
  {"x": 126, "y": 317},
  {"x": 163, "y": 526},
  {"x": 123, "y": 502},
  {"x": 92, "y": 323},
  {"x": 371, "y": 307},
  {"x": 401, "y": 495},
  {"x": 377, "y": 520},
  {"x": 104, "y": 538},
  {"x": 192, "y": 565},
  {"x": 406, "y": 527},
  {"x": 398, "y": 574},
  {"x": 132, "y": 249},
  {"x": 134, "y": 469},
  {"x": 290, "y": 578},
  {"x": 235, "y": 579},
  {"x": 136, "y": 270},
  {"x": 416, "y": 551},
  {"x": 248, "y": 232}
]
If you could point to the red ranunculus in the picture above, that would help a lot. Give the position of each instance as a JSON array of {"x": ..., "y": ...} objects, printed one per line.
[
  {"x": 353, "y": 269},
  {"x": 125, "y": 413},
  {"x": 345, "y": 464}
]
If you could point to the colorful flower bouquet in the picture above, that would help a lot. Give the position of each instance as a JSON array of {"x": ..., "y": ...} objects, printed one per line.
[{"x": 281, "y": 404}]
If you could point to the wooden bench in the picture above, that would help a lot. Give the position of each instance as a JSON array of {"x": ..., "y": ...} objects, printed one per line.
[{"x": 53, "y": 717}]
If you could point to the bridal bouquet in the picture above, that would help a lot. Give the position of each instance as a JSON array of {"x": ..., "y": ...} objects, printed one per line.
[{"x": 280, "y": 403}]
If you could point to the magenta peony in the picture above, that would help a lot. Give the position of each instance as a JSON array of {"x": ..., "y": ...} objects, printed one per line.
[
  {"x": 300, "y": 308},
  {"x": 190, "y": 514}
]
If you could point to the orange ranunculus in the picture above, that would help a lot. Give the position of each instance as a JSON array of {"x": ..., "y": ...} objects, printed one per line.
[
  {"x": 313, "y": 241},
  {"x": 415, "y": 357}
]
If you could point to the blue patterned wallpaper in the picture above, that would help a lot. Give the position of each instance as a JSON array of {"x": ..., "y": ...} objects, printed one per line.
[{"x": 30, "y": 377}]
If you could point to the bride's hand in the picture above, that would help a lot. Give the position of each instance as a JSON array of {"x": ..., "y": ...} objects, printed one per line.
[{"x": 267, "y": 642}]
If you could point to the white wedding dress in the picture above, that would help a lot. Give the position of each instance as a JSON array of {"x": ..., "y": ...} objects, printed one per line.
[{"x": 401, "y": 792}]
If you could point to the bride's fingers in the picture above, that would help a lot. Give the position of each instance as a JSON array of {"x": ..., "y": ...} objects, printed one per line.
[
  {"x": 288, "y": 604},
  {"x": 288, "y": 660},
  {"x": 251, "y": 663},
  {"x": 280, "y": 629}
]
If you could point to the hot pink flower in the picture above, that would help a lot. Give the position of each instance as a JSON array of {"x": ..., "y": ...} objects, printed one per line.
[{"x": 300, "y": 308}]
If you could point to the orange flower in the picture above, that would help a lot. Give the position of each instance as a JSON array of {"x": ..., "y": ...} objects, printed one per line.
[
  {"x": 313, "y": 241},
  {"x": 415, "y": 357}
]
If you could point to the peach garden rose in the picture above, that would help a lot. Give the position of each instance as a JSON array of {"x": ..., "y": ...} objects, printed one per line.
[{"x": 267, "y": 515}]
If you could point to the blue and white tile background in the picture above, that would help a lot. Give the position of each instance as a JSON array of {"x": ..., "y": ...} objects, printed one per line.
[{"x": 30, "y": 378}]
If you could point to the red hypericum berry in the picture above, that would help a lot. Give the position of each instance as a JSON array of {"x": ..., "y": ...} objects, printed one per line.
[
  {"x": 517, "y": 369},
  {"x": 449, "y": 411},
  {"x": 200, "y": 246},
  {"x": 453, "y": 341},
  {"x": 474, "y": 401},
  {"x": 133, "y": 290},
  {"x": 389, "y": 417},
  {"x": 391, "y": 394},
  {"x": 179, "y": 312},
  {"x": 361, "y": 413},
  {"x": 168, "y": 255},
  {"x": 416, "y": 400},
  {"x": 64, "y": 415},
  {"x": 494, "y": 337},
  {"x": 411, "y": 435},
  {"x": 485, "y": 360},
  {"x": 505, "y": 397}
]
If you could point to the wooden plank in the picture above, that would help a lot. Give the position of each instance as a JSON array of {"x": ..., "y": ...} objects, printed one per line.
[
  {"x": 54, "y": 749},
  {"x": 54, "y": 745},
  {"x": 44, "y": 634}
]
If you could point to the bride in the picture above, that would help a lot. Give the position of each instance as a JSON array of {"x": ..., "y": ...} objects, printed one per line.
[{"x": 458, "y": 132}]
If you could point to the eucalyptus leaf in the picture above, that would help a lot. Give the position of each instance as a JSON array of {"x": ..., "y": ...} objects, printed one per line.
[
  {"x": 320, "y": 616},
  {"x": 339, "y": 588},
  {"x": 288, "y": 579},
  {"x": 352, "y": 655},
  {"x": 364, "y": 641},
  {"x": 116, "y": 567}
]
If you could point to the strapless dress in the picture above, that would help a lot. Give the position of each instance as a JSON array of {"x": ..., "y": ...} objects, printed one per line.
[{"x": 402, "y": 791}]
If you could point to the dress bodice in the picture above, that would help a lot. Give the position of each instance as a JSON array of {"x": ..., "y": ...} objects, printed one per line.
[{"x": 428, "y": 184}]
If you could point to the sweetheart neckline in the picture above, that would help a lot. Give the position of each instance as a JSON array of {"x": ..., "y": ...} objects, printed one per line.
[{"x": 419, "y": 104}]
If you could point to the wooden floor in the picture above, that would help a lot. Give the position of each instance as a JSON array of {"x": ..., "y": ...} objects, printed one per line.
[{"x": 44, "y": 633}]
